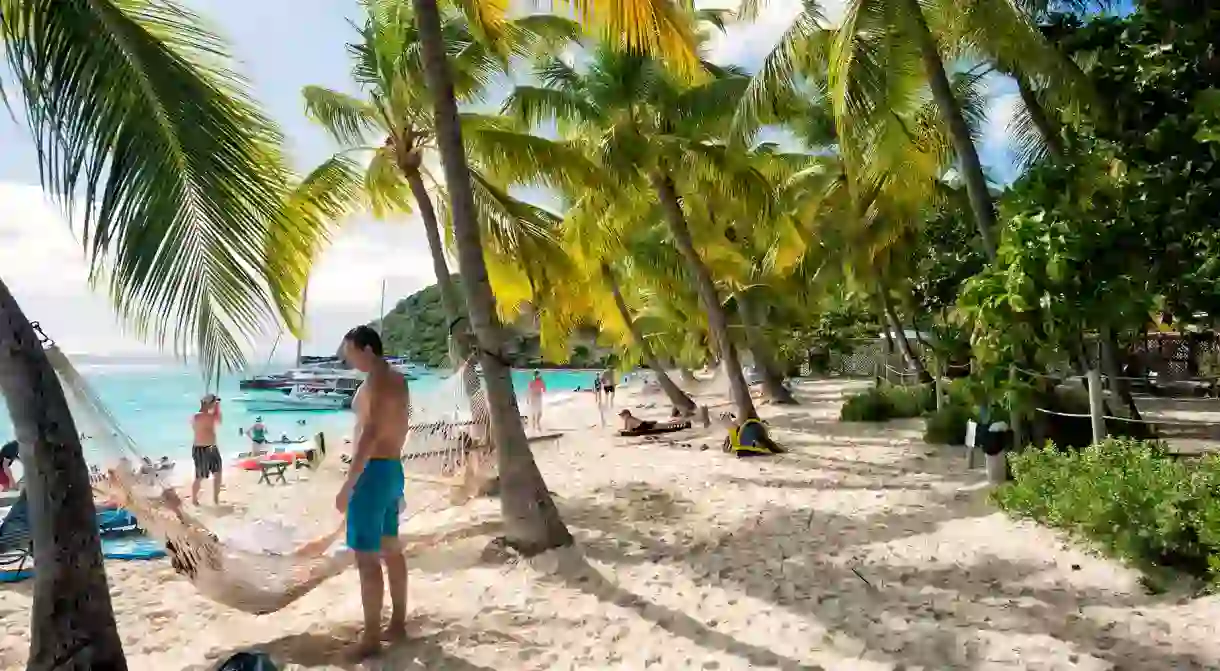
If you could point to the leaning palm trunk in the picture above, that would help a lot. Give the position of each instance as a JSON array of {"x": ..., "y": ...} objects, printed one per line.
[
  {"x": 772, "y": 378},
  {"x": 71, "y": 619},
  {"x": 968, "y": 157},
  {"x": 717, "y": 321},
  {"x": 904, "y": 343},
  {"x": 677, "y": 397},
  {"x": 1037, "y": 114},
  {"x": 432, "y": 231},
  {"x": 531, "y": 521}
]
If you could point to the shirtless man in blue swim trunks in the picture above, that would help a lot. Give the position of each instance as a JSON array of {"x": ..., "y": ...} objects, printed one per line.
[{"x": 373, "y": 492}]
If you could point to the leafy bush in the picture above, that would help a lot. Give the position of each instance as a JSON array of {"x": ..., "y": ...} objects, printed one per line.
[
  {"x": 887, "y": 401},
  {"x": 870, "y": 405},
  {"x": 1130, "y": 497},
  {"x": 947, "y": 426}
]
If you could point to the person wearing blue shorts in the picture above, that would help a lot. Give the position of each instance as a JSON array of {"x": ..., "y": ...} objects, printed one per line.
[{"x": 372, "y": 495}]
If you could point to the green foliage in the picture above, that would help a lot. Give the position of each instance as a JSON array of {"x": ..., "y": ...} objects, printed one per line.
[
  {"x": 1130, "y": 497},
  {"x": 417, "y": 329},
  {"x": 884, "y": 402},
  {"x": 947, "y": 426}
]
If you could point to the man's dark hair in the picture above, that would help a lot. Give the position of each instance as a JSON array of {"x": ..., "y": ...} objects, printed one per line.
[{"x": 364, "y": 336}]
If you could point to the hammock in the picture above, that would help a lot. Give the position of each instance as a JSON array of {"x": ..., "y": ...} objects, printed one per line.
[{"x": 270, "y": 568}]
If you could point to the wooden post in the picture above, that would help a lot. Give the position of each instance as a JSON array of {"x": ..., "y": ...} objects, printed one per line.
[
  {"x": 936, "y": 385},
  {"x": 1096, "y": 416}
]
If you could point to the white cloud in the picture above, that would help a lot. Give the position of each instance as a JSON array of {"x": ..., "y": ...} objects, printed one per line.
[
  {"x": 43, "y": 264},
  {"x": 995, "y": 146},
  {"x": 748, "y": 43}
]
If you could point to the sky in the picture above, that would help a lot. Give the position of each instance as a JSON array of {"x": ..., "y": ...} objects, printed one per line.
[{"x": 281, "y": 46}]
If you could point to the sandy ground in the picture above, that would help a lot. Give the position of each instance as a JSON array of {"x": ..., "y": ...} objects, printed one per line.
[{"x": 862, "y": 549}]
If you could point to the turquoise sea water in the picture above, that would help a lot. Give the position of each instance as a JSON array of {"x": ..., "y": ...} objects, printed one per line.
[{"x": 154, "y": 404}]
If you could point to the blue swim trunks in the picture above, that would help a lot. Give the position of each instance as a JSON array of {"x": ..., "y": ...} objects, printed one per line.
[{"x": 372, "y": 512}]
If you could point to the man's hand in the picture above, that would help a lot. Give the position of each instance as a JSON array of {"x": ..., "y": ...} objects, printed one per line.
[{"x": 342, "y": 498}]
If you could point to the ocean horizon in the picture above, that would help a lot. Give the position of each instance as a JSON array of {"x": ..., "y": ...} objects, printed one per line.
[{"x": 153, "y": 398}]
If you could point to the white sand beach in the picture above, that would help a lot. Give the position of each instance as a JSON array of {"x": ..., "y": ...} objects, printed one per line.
[{"x": 862, "y": 549}]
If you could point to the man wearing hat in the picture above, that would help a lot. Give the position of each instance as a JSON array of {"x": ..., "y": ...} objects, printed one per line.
[{"x": 204, "y": 451}]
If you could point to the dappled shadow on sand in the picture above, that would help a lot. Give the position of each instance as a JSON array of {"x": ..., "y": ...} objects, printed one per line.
[
  {"x": 328, "y": 646},
  {"x": 810, "y": 562},
  {"x": 578, "y": 574}
]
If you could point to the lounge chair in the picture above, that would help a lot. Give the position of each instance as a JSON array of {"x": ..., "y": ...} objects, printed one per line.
[{"x": 16, "y": 543}]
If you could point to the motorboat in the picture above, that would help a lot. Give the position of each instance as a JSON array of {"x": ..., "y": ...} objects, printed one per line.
[{"x": 297, "y": 398}]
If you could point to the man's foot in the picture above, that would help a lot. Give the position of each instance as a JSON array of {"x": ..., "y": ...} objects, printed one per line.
[
  {"x": 364, "y": 649},
  {"x": 396, "y": 630}
]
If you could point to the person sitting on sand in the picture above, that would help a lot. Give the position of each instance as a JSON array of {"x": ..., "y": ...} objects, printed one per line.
[
  {"x": 633, "y": 423},
  {"x": 750, "y": 439}
]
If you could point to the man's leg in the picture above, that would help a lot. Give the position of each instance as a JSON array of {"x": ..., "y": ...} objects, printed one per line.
[
  {"x": 372, "y": 593},
  {"x": 216, "y": 488},
  {"x": 195, "y": 490},
  {"x": 396, "y": 576}
]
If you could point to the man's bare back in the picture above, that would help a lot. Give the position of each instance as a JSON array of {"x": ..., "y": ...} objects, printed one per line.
[{"x": 204, "y": 426}]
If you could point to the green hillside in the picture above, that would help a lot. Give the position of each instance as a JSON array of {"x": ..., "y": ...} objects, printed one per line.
[{"x": 417, "y": 329}]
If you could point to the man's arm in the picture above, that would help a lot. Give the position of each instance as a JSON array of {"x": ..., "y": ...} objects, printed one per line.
[
  {"x": 366, "y": 437},
  {"x": 216, "y": 411}
]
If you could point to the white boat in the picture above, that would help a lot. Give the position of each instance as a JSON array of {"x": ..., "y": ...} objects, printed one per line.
[{"x": 297, "y": 399}]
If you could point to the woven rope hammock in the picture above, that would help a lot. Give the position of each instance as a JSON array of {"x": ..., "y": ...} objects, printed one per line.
[{"x": 446, "y": 456}]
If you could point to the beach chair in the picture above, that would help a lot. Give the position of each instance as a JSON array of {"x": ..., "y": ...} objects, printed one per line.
[
  {"x": 273, "y": 468},
  {"x": 16, "y": 543}
]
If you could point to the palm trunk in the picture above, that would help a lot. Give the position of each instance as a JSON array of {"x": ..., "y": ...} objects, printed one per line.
[
  {"x": 1110, "y": 363},
  {"x": 531, "y": 522},
  {"x": 968, "y": 157},
  {"x": 449, "y": 296},
  {"x": 72, "y": 621},
  {"x": 1037, "y": 114},
  {"x": 717, "y": 321},
  {"x": 679, "y": 398},
  {"x": 900, "y": 335},
  {"x": 773, "y": 379}
]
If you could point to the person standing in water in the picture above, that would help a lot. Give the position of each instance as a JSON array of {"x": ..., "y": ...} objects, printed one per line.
[
  {"x": 537, "y": 388},
  {"x": 258, "y": 433},
  {"x": 373, "y": 492},
  {"x": 204, "y": 451}
]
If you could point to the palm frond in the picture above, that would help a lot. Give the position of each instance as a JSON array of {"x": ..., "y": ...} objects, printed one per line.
[
  {"x": 349, "y": 120},
  {"x": 534, "y": 105},
  {"x": 135, "y": 114}
]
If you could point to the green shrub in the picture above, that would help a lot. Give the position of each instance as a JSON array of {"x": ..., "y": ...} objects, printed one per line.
[
  {"x": 870, "y": 405},
  {"x": 1129, "y": 497},
  {"x": 887, "y": 401},
  {"x": 947, "y": 426}
]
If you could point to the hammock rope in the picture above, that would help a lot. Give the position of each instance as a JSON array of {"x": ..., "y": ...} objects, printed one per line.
[{"x": 446, "y": 452}]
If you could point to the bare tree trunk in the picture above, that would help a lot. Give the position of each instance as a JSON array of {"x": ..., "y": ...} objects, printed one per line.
[
  {"x": 72, "y": 621},
  {"x": 968, "y": 157},
  {"x": 531, "y": 522},
  {"x": 717, "y": 321},
  {"x": 773, "y": 379},
  {"x": 676, "y": 396},
  {"x": 908, "y": 353}
]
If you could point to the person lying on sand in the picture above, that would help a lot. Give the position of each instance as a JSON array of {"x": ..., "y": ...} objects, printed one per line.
[
  {"x": 633, "y": 423},
  {"x": 750, "y": 439}
]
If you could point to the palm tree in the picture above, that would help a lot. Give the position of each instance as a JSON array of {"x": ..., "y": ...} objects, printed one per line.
[
  {"x": 186, "y": 218},
  {"x": 884, "y": 50},
  {"x": 393, "y": 129},
  {"x": 642, "y": 122}
]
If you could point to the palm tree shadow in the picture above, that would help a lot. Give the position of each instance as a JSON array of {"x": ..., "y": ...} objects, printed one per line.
[{"x": 577, "y": 573}]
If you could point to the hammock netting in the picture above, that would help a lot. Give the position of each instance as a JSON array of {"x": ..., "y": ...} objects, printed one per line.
[{"x": 265, "y": 566}]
